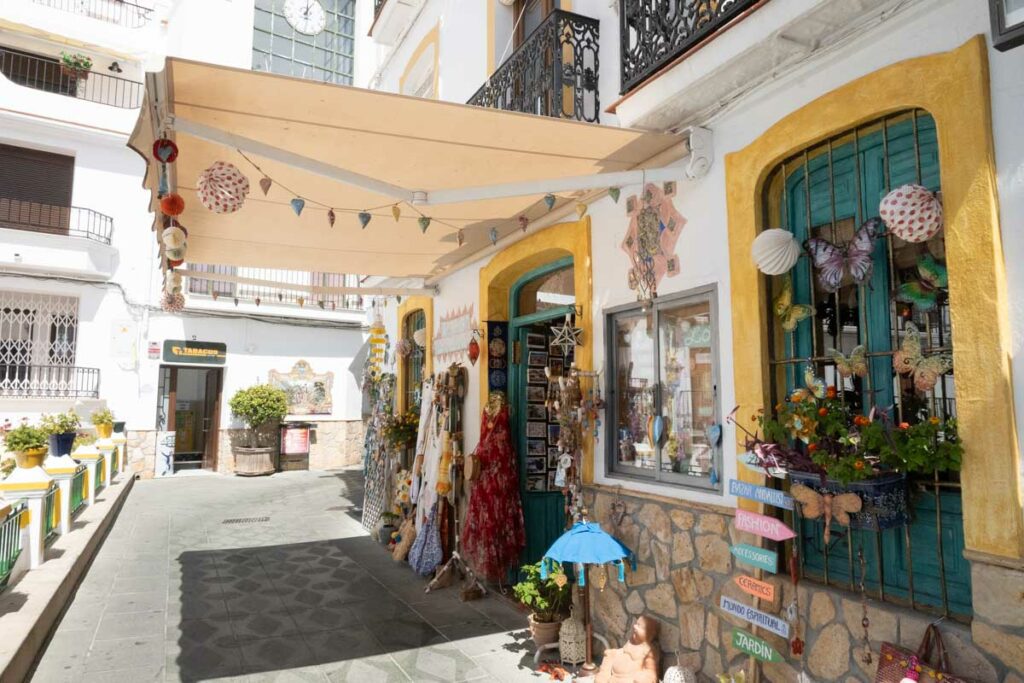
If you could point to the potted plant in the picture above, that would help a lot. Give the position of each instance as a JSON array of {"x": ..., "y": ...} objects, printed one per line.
[
  {"x": 103, "y": 420},
  {"x": 61, "y": 429},
  {"x": 388, "y": 526},
  {"x": 28, "y": 444},
  {"x": 261, "y": 408},
  {"x": 75, "y": 64},
  {"x": 546, "y": 601},
  {"x": 400, "y": 429}
]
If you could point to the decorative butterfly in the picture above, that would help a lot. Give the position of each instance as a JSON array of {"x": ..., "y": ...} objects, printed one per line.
[
  {"x": 814, "y": 505},
  {"x": 924, "y": 293},
  {"x": 909, "y": 360},
  {"x": 855, "y": 365},
  {"x": 814, "y": 387},
  {"x": 854, "y": 257},
  {"x": 790, "y": 314}
]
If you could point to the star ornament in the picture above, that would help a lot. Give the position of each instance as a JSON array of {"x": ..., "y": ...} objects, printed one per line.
[{"x": 567, "y": 336}]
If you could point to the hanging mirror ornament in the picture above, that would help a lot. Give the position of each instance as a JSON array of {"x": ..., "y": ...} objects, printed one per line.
[
  {"x": 567, "y": 336},
  {"x": 165, "y": 151},
  {"x": 222, "y": 188},
  {"x": 911, "y": 212},
  {"x": 775, "y": 251}
]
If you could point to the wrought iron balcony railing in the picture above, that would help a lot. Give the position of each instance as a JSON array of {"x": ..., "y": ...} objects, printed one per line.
[
  {"x": 378, "y": 5},
  {"x": 276, "y": 296},
  {"x": 553, "y": 73},
  {"x": 654, "y": 33},
  {"x": 48, "y": 381},
  {"x": 72, "y": 221},
  {"x": 120, "y": 12},
  {"x": 45, "y": 73}
]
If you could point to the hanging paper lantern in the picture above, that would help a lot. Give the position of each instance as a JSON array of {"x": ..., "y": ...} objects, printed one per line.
[
  {"x": 396, "y": 212},
  {"x": 173, "y": 237},
  {"x": 172, "y": 204},
  {"x": 420, "y": 337},
  {"x": 222, "y": 188},
  {"x": 364, "y": 218},
  {"x": 424, "y": 223},
  {"x": 775, "y": 251},
  {"x": 473, "y": 350},
  {"x": 911, "y": 212},
  {"x": 172, "y": 303},
  {"x": 549, "y": 199},
  {"x": 165, "y": 150},
  {"x": 265, "y": 184}
]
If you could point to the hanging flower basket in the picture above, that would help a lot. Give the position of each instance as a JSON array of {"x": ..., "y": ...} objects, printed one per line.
[{"x": 885, "y": 501}]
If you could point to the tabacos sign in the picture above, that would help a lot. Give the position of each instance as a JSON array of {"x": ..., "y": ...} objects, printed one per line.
[{"x": 198, "y": 352}]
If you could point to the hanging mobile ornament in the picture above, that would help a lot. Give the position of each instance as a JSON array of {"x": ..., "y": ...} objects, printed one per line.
[
  {"x": 864, "y": 622},
  {"x": 601, "y": 577},
  {"x": 298, "y": 205}
]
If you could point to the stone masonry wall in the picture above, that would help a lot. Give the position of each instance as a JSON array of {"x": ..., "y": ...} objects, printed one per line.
[
  {"x": 333, "y": 444},
  {"x": 685, "y": 566}
]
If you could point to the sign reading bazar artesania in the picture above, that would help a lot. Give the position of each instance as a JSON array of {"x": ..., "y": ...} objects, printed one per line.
[
  {"x": 755, "y": 616},
  {"x": 754, "y": 646},
  {"x": 758, "y": 557},
  {"x": 203, "y": 353},
  {"x": 768, "y": 527},
  {"x": 762, "y": 494}
]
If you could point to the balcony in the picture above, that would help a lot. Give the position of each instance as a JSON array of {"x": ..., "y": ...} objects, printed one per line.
[
  {"x": 271, "y": 287},
  {"x": 48, "y": 381},
  {"x": 553, "y": 73},
  {"x": 653, "y": 37},
  {"x": 120, "y": 12},
  {"x": 47, "y": 74},
  {"x": 71, "y": 221}
]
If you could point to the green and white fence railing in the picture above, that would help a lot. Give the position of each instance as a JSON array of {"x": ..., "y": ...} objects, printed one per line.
[
  {"x": 101, "y": 474},
  {"x": 51, "y": 513},
  {"x": 79, "y": 497},
  {"x": 10, "y": 541}
]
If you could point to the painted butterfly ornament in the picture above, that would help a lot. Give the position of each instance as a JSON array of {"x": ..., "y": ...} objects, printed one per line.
[
  {"x": 924, "y": 294},
  {"x": 856, "y": 365},
  {"x": 814, "y": 387},
  {"x": 910, "y": 360},
  {"x": 788, "y": 313},
  {"x": 834, "y": 263},
  {"x": 814, "y": 505}
]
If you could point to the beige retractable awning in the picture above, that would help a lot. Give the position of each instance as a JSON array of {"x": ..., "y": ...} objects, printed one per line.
[{"x": 307, "y": 136}]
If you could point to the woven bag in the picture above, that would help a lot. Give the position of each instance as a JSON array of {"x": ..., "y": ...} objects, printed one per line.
[{"x": 894, "y": 660}]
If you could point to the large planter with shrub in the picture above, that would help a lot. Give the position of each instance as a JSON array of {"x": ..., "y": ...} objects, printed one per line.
[
  {"x": 261, "y": 408},
  {"x": 252, "y": 462},
  {"x": 546, "y": 600},
  {"x": 103, "y": 421},
  {"x": 28, "y": 444}
]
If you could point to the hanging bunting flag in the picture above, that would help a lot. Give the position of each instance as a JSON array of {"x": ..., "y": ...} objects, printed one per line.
[
  {"x": 214, "y": 293},
  {"x": 614, "y": 193},
  {"x": 364, "y": 218},
  {"x": 301, "y": 301},
  {"x": 265, "y": 184},
  {"x": 236, "y": 301},
  {"x": 396, "y": 212},
  {"x": 298, "y": 205},
  {"x": 581, "y": 209},
  {"x": 494, "y": 236},
  {"x": 280, "y": 296},
  {"x": 334, "y": 306},
  {"x": 460, "y": 237},
  {"x": 424, "y": 223},
  {"x": 330, "y": 217},
  {"x": 320, "y": 304},
  {"x": 549, "y": 199},
  {"x": 257, "y": 300},
  {"x": 524, "y": 223}
]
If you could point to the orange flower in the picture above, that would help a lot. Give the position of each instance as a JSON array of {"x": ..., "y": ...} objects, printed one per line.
[
  {"x": 861, "y": 421},
  {"x": 934, "y": 420},
  {"x": 811, "y": 447},
  {"x": 831, "y": 392},
  {"x": 796, "y": 397},
  {"x": 859, "y": 465},
  {"x": 904, "y": 425},
  {"x": 823, "y": 411}
]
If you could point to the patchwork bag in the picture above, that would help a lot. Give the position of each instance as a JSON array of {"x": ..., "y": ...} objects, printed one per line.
[{"x": 894, "y": 661}]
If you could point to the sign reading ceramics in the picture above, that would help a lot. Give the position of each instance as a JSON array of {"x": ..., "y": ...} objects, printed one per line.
[
  {"x": 759, "y": 589},
  {"x": 755, "y": 616},
  {"x": 768, "y": 527},
  {"x": 762, "y": 494},
  {"x": 754, "y": 646},
  {"x": 757, "y": 557}
]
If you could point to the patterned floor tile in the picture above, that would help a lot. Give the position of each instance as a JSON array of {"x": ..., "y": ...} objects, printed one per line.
[{"x": 376, "y": 669}]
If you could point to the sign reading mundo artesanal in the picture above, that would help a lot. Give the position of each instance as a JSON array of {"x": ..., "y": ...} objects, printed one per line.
[{"x": 203, "y": 353}]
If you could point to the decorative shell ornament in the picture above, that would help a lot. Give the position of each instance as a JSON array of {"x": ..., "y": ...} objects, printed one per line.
[
  {"x": 222, "y": 188},
  {"x": 173, "y": 237},
  {"x": 775, "y": 251},
  {"x": 420, "y": 337},
  {"x": 911, "y": 212},
  {"x": 572, "y": 639}
]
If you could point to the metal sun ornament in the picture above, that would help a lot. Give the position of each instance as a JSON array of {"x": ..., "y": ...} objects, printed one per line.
[{"x": 654, "y": 228}]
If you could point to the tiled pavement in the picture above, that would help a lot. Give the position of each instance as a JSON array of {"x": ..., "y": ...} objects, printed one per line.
[{"x": 175, "y": 593}]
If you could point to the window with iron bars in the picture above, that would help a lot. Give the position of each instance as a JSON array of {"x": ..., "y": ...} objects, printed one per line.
[
  {"x": 412, "y": 378},
  {"x": 920, "y": 564},
  {"x": 275, "y": 295}
]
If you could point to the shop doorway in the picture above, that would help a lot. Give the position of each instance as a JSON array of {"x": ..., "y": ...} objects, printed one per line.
[
  {"x": 189, "y": 406},
  {"x": 538, "y": 300}
]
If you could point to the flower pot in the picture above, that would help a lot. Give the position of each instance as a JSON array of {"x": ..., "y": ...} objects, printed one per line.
[
  {"x": 71, "y": 72},
  {"x": 104, "y": 431},
  {"x": 30, "y": 458},
  {"x": 885, "y": 498},
  {"x": 61, "y": 444},
  {"x": 252, "y": 462},
  {"x": 384, "y": 534},
  {"x": 119, "y": 426},
  {"x": 543, "y": 633}
]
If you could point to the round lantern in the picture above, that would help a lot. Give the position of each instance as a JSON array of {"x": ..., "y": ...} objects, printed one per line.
[
  {"x": 775, "y": 251},
  {"x": 222, "y": 188},
  {"x": 174, "y": 263},
  {"x": 911, "y": 212},
  {"x": 172, "y": 303},
  {"x": 172, "y": 204},
  {"x": 177, "y": 254},
  {"x": 172, "y": 282},
  {"x": 572, "y": 639},
  {"x": 165, "y": 150},
  {"x": 173, "y": 237},
  {"x": 473, "y": 350}
]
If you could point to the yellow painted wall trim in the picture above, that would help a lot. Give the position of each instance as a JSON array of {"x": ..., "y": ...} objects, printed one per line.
[
  {"x": 978, "y": 289},
  {"x": 515, "y": 261},
  {"x": 490, "y": 38},
  {"x": 409, "y": 305},
  {"x": 431, "y": 38}
]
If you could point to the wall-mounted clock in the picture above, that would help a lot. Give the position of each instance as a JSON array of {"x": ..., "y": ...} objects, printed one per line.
[{"x": 305, "y": 16}]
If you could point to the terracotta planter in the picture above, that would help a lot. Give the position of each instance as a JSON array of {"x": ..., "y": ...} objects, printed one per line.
[
  {"x": 544, "y": 633},
  {"x": 252, "y": 462},
  {"x": 70, "y": 72},
  {"x": 31, "y": 458},
  {"x": 104, "y": 431}
]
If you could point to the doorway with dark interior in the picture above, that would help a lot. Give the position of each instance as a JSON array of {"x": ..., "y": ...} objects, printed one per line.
[{"x": 189, "y": 406}]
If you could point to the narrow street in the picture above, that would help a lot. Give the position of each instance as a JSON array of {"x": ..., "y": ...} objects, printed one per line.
[{"x": 209, "y": 577}]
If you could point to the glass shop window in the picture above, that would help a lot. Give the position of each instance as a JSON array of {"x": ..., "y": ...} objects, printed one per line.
[
  {"x": 663, "y": 391},
  {"x": 831, "y": 192}
]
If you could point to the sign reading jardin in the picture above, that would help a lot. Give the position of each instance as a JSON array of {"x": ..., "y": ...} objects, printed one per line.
[
  {"x": 758, "y": 557},
  {"x": 203, "y": 353},
  {"x": 762, "y": 494},
  {"x": 769, "y": 527},
  {"x": 755, "y": 616},
  {"x": 751, "y": 586},
  {"x": 754, "y": 646}
]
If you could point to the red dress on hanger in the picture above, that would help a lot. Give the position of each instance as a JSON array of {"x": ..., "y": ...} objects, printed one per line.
[{"x": 494, "y": 535}]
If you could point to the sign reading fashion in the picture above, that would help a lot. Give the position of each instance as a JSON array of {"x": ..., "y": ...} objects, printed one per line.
[
  {"x": 755, "y": 616},
  {"x": 762, "y": 494},
  {"x": 757, "y": 557},
  {"x": 768, "y": 527},
  {"x": 203, "y": 353}
]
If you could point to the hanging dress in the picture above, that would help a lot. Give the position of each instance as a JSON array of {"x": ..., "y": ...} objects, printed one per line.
[
  {"x": 426, "y": 553},
  {"x": 494, "y": 535}
]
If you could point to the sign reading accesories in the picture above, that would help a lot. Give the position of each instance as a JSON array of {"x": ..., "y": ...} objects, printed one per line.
[{"x": 204, "y": 353}]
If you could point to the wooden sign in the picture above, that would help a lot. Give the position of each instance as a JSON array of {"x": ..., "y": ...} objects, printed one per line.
[
  {"x": 762, "y": 494},
  {"x": 754, "y": 646},
  {"x": 769, "y": 527},
  {"x": 759, "y": 589},
  {"x": 757, "y": 557},
  {"x": 749, "y": 461},
  {"x": 755, "y": 616}
]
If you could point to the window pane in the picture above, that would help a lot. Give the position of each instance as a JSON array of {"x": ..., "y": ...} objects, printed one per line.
[
  {"x": 261, "y": 41},
  {"x": 633, "y": 348},
  {"x": 262, "y": 20}
]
